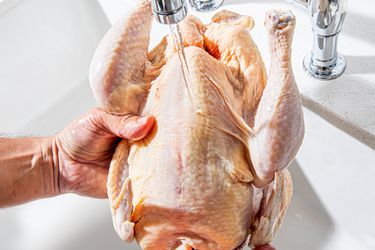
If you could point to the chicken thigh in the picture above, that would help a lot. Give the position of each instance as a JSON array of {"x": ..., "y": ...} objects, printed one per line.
[{"x": 212, "y": 172}]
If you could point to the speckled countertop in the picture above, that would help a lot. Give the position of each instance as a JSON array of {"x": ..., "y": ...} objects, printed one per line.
[{"x": 347, "y": 102}]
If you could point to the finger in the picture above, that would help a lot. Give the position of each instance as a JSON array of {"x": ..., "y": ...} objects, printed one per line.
[
  {"x": 128, "y": 127},
  {"x": 136, "y": 127}
]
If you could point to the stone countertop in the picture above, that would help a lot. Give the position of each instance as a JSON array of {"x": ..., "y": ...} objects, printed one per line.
[{"x": 347, "y": 102}]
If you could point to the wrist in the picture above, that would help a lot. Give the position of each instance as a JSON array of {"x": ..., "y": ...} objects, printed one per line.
[
  {"x": 28, "y": 170},
  {"x": 50, "y": 168}
]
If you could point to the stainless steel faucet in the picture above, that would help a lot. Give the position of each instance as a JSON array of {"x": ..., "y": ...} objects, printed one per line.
[{"x": 327, "y": 17}]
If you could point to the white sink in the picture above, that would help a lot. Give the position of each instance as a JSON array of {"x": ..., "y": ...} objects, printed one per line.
[
  {"x": 45, "y": 49},
  {"x": 333, "y": 202}
]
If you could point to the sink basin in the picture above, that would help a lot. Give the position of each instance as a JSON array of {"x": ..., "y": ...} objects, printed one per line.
[
  {"x": 331, "y": 208},
  {"x": 45, "y": 47}
]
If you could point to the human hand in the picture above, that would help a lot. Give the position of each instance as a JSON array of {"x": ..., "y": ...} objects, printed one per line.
[{"x": 86, "y": 146}]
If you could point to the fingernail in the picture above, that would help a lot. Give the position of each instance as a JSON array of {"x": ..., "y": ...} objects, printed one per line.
[{"x": 142, "y": 119}]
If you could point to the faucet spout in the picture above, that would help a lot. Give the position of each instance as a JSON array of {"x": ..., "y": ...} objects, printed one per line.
[{"x": 169, "y": 11}]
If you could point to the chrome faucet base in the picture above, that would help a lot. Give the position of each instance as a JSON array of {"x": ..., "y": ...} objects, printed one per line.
[
  {"x": 205, "y": 5},
  {"x": 330, "y": 72},
  {"x": 327, "y": 18}
]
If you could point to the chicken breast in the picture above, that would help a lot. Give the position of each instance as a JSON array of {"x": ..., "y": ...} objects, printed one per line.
[{"x": 212, "y": 172}]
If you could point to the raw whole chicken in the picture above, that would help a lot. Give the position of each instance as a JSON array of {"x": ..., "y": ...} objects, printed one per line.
[{"x": 212, "y": 173}]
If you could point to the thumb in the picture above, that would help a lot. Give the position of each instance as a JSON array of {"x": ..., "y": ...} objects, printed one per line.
[{"x": 128, "y": 127}]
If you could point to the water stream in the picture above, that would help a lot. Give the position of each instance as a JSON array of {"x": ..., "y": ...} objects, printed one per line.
[{"x": 179, "y": 46}]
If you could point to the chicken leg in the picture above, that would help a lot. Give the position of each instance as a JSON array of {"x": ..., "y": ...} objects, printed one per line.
[
  {"x": 120, "y": 193},
  {"x": 279, "y": 126},
  {"x": 274, "y": 204}
]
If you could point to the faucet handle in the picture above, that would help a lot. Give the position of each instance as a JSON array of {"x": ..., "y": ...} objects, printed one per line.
[
  {"x": 205, "y": 5},
  {"x": 327, "y": 16}
]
